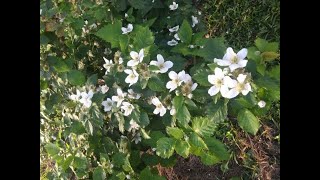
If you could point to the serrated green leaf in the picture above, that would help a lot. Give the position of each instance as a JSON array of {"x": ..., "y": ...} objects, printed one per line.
[
  {"x": 143, "y": 37},
  {"x": 183, "y": 115},
  {"x": 261, "y": 44},
  {"x": 217, "y": 112},
  {"x": 274, "y": 72},
  {"x": 183, "y": 49},
  {"x": 89, "y": 127},
  {"x": 201, "y": 77},
  {"x": 272, "y": 47},
  {"x": 248, "y": 122},
  {"x": 92, "y": 80},
  {"x": 59, "y": 65},
  {"x": 144, "y": 119},
  {"x": 213, "y": 48},
  {"x": 261, "y": 69},
  {"x": 123, "y": 41},
  {"x": 170, "y": 162},
  {"x": 155, "y": 136},
  {"x": 146, "y": 174},
  {"x": 208, "y": 159},
  {"x": 178, "y": 63},
  {"x": 178, "y": 102},
  {"x": 175, "y": 132},
  {"x": 150, "y": 160},
  {"x": 203, "y": 126},
  {"x": 190, "y": 104},
  {"x": 217, "y": 148},
  {"x": 155, "y": 84},
  {"x": 185, "y": 32},
  {"x": 182, "y": 148},
  {"x": 197, "y": 141},
  {"x": 111, "y": 33},
  {"x": 67, "y": 162},
  {"x": 99, "y": 174},
  {"x": 52, "y": 149},
  {"x": 212, "y": 66},
  {"x": 118, "y": 159},
  {"x": 76, "y": 78},
  {"x": 80, "y": 162},
  {"x": 254, "y": 54},
  {"x": 165, "y": 147}
]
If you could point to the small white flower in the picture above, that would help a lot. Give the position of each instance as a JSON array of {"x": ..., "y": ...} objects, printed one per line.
[
  {"x": 136, "y": 58},
  {"x": 127, "y": 30},
  {"x": 119, "y": 98},
  {"x": 176, "y": 80},
  {"x": 194, "y": 20},
  {"x": 174, "y": 29},
  {"x": 238, "y": 87},
  {"x": 86, "y": 98},
  {"x": 173, "y": 6},
  {"x": 133, "y": 126},
  {"x": 199, "y": 13},
  {"x": 127, "y": 107},
  {"x": 75, "y": 97},
  {"x": 93, "y": 26},
  {"x": 132, "y": 77},
  {"x": 133, "y": 95},
  {"x": 172, "y": 42},
  {"x": 186, "y": 78},
  {"x": 128, "y": 176},
  {"x": 159, "y": 107},
  {"x": 154, "y": 149},
  {"x": 107, "y": 65},
  {"x": 108, "y": 104},
  {"x": 86, "y": 22},
  {"x": 107, "y": 51},
  {"x": 40, "y": 12},
  {"x": 137, "y": 138},
  {"x": 120, "y": 60},
  {"x": 176, "y": 36},
  {"x": 201, "y": 47},
  {"x": 90, "y": 53},
  {"x": 191, "y": 46},
  {"x": 219, "y": 82},
  {"x": 261, "y": 104},
  {"x": 163, "y": 65},
  {"x": 104, "y": 89},
  {"x": 233, "y": 60},
  {"x": 125, "y": 15}
]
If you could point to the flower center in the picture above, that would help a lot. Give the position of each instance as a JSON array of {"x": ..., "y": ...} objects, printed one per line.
[
  {"x": 234, "y": 60},
  {"x": 159, "y": 106},
  {"x": 218, "y": 82},
  {"x": 240, "y": 87},
  {"x": 161, "y": 66}
]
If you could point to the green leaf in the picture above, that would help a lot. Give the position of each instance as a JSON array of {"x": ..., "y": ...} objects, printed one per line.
[
  {"x": 52, "y": 149},
  {"x": 272, "y": 47},
  {"x": 99, "y": 174},
  {"x": 121, "y": 176},
  {"x": 66, "y": 164},
  {"x": 208, "y": 159},
  {"x": 217, "y": 148},
  {"x": 212, "y": 66},
  {"x": 182, "y": 148},
  {"x": 121, "y": 121},
  {"x": 274, "y": 72},
  {"x": 144, "y": 119},
  {"x": 201, "y": 76},
  {"x": 254, "y": 54},
  {"x": 178, "y": 102},
  {"x": 155, "y": 136},
  {"x": 168, "y": 162},
  {"x": 183, "y": 49},
  {"x": 269, "y": 56},
  {"x": 123, "y": 40},
  {"x": 185, "y": 32},
  {"x": 155, "y": 84},
  {"x": 213, "y": 48},
  {"x": 76, "y": 78},
  {"x": 92, "y": 80},
  {"x": 190, "y": 104},
  {"x": 248, "y": 122},
  {"x": 217, "y": 112},
  {"x": 197, "y": 141},
  {"x": 146, "y": 174},
  {"x": 183, "y": 115},
  {"x": 60, "y": 65},
  {"x": 261, "y": 69},
  {"x": 175, "y": 132},
  {"x": 89, "y": 127},
  {"x": 144, "y": 134},
  {"x": 143, "y": 37},
  {"x": 80, "y": 162},
  {"x": 118, "y": 159},
  {"x": 111, "y": 33},
  {"x": 178, "y": 63},
  {"x": 261, "y": 44},
  {"x": 268, "y": 83},
  {"x": 203, "y": 126},
  {"x": 165, "y": 147},
  {"x": 150, "y": 160}
]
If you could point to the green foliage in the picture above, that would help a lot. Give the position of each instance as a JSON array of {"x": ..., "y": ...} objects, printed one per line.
[
  {"x": 165, "y": 147},
  {"x": 248, "y": 122}
]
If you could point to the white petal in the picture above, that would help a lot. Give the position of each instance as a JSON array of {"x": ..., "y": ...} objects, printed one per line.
[
  {"x": 242, "y": 53},
  {"x": 162, "y": 111},
  {"x": 154, "y": 63},
  {"x": 244, "y": 92},
  {"x": 155, "y": 101},
  {"x": 241, "y": 78},
  {"x": 160, "y": 59},
  {"x": 231, "y": 83},
  {"x": 218, "y": 72},
  {"x": 171, "y": 85},
  {"x": 234, "y": 67},
  {"x": 194, "y": 86},
  {"x": 173, "y": 75},
  {"x": 213, "y": 90},
  {"x": 124, "y": 30},
  {"x": 134, "y": 55},
  {"x": 247, "y": 86},
  {"x": 130, "y": 27},
  {"x": 176, "y": 36},
  {"x": 156, "y": 111},
  {"x": 229, "y": 54},
  {"x": 212, "y": 79},
  {"x": 163, "y": 70},
  {"x": 221, "y": 62},
  {"x": 141, "y": 55},
  {"x": 168, "y": 64},
  {"x": 224, "y": 90},
  {"x": 132, "y": 63},
  {"x": 242, "y": 63},
  {"x": 128, "y": 71},
  {"x": 232, "y": 93}
]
